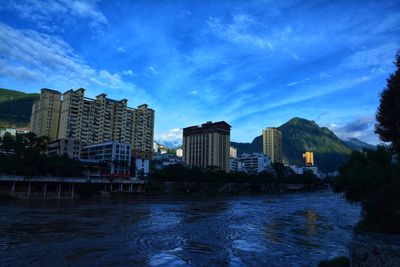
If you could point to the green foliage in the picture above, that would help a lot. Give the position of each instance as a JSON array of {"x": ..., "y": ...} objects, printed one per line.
[
  {"x": 335, "y": 262},
  {"x": 299, "y": 135},
  {"x": 26, "y": 155},
  {"x": 180, "y": 173},
  {"x": 388, "y": 114},
  {"x": 372, "y": 178},
  {"x": 15, "y": 108}
]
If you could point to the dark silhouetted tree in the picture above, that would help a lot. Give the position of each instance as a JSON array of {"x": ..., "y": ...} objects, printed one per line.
[{"x": 388, "y": 114}]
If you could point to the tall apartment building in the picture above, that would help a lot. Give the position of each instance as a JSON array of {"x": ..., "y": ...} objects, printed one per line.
[
  {"x": 207, "y": 145},
  {"x": 46, "y": 113},
  {"x": 99, "y": 120},
  {"x": 272, "y": 144},
  {"x": 143, "y": 129}
]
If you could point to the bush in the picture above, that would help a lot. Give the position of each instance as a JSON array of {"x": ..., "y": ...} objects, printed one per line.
[
  {"x": 180, "y": 173},
  {"x": 372, "y": 178}
]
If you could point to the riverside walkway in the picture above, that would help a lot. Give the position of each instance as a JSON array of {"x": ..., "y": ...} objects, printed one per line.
[{"x": 24, "y": 187}]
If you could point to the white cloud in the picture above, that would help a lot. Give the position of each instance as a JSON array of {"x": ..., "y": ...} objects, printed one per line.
[
  {"x": 47, "y": 14},
  {"x": 172, "y": 138},
  {"x": 152, "y": 70},
  {"x": 129, "y": 73},
  {"x": 120, "y": 49},
  {"x": 194, "y": 92},
  {"x": 361, "y": 128},
  {"x": 48, "y": 61}
]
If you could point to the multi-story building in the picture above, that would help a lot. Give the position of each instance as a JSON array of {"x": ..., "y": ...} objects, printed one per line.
[
  {"x": 46, "y": 113},
  {"x": 236, "y": 165},
  {"x": 233, "y": 152},
  {"x": 251, "y": 163},
  {"x": 107, "y": 159},
  {"x": 308, "y": 158},
  {"x": 64, "y": 147},
  {"x": 207, "y": 145},
  {"x": 272, "y": 144},
  {"x": 100, "y": 120},
  {"x": 143, "y": 134}
]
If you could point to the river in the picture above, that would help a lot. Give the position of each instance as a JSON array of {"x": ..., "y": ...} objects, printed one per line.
[{"x": 269, "y": 230}]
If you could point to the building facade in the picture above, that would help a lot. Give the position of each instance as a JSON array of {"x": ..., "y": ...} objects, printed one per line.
[
  {"x": 179, "y": 152},
  {"x": 233, "y": 152},
  {"x": 251, "y": 163},
  {"x": 46, "y": 113},
  {"x": 308, "y": 158},
  {"x": 107, "y": 159},
  {"x": 272, "y": 144},
  {"x": 64, "y": 147},
  {"x": 207, "y": 145},
  {"x": 99, "y": 120}
]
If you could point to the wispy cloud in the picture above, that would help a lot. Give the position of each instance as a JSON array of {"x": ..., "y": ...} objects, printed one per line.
[
  {"x": 377, "y": 59},
  {"x": 50, "y": 15},
  {"x": 49, "y": 61},
  {"x": 152, "y": 70},
  {"x": 239, "y": 31}
]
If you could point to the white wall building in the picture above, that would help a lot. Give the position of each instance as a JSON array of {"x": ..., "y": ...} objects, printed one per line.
[
  {"x": 179, "y": 152},
  {"x": 110, "y": 158},
  {"x": 251, "y": 163},
  {"x": 233, "y": 152},
  {"x": 13, "y": 131}
]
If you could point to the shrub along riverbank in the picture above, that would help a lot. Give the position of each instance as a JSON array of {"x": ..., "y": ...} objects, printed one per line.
[{"x": 182, "y": 180}]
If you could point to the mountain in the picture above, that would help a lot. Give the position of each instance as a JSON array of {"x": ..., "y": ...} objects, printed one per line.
[
  {"x": 299, "y": 135},
  {"x": 358, "y": 145},
  {"x": 15, "y": 108}
]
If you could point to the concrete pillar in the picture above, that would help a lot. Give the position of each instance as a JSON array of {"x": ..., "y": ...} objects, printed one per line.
[
  {"x": 120, "y": 187},
  {"x": 110, "y": 187},
  {"x": 13, "y": 187},
  {"x": 44, "y": 189},
  {"x": 59, "y": 190},
  {"x": 72, "y": 190},
  {"x": 29, "y": 190}
]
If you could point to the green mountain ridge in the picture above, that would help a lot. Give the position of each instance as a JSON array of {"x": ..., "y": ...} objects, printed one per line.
[
  {"x": 358, "y": 145},
  {"x": 15, "y": 108},
  {"x": 300, "y": 135}
]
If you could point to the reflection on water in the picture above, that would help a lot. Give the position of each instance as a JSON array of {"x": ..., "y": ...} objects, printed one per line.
[{"x": 280, "y": 230}]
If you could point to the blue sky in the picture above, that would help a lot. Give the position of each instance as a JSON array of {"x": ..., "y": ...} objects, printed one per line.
[{"x": 251, "y": 63}]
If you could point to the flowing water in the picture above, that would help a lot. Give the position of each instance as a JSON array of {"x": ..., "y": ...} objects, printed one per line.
[{"x": 269, "y": 230}]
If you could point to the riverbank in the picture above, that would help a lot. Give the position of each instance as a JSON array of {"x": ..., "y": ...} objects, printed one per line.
[{"x": 155, "y": 188}]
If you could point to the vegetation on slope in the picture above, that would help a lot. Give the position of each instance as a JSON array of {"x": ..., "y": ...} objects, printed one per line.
[{"x": 15, "y": 108}]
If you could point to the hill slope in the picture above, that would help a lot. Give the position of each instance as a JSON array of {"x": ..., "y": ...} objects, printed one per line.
[
  {"x": 15, "y": 108},
  {"x": 358, "y": 145},
  {"x": 299, "y": 135}
]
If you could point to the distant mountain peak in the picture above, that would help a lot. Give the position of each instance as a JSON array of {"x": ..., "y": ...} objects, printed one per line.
[{"x": 300, "y": 135}]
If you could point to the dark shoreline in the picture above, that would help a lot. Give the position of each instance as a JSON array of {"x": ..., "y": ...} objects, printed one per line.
[{"x": 196, "y": 189}]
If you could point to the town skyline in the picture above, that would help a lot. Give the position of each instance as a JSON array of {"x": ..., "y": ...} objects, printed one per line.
[{"x": 251, "y": 64}]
